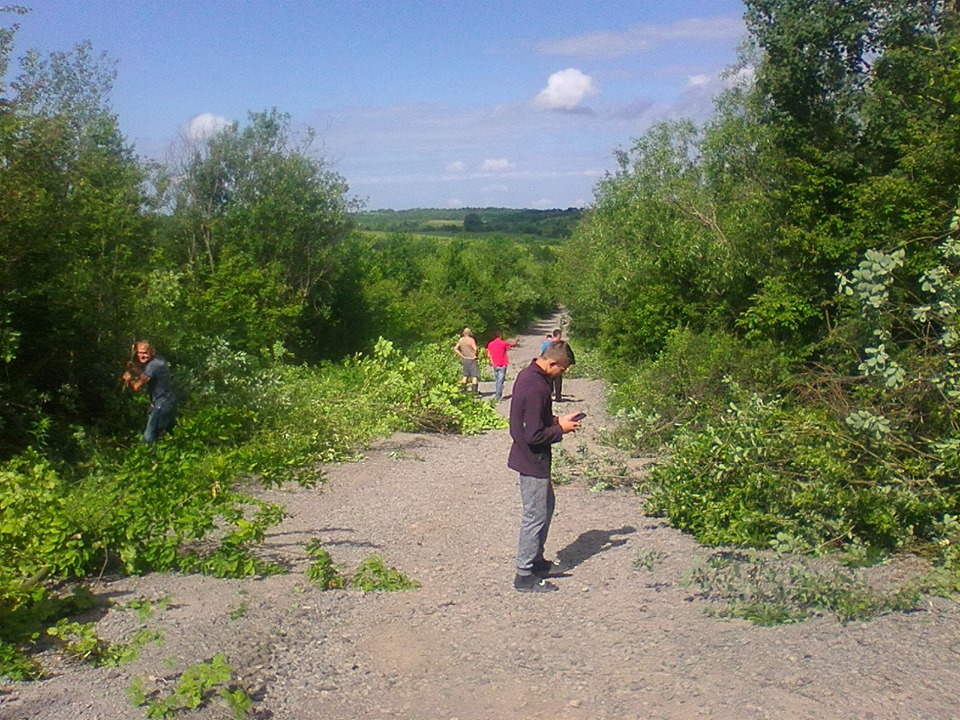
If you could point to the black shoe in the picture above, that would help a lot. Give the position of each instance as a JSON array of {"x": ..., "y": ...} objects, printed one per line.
[
  {"x": 531, "y": 583},
  {"x": 543, "y": 568}
]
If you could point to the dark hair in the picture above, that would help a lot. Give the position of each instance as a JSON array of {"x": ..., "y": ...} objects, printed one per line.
[{"x": 560, "y": 352}]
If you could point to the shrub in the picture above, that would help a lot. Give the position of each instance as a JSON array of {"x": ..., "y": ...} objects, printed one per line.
[
  {"x": 689, "y": 384},
  {"x": 767, "y": 468}
]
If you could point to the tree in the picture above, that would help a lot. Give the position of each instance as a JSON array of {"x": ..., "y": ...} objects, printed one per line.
[
  {"x": 68, "y": 223},
  {"x": 473, "y": 223},
  {"x": 258, "y": 196}
]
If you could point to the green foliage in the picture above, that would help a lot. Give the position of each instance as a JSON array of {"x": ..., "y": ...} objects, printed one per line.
[
  {"x": 647, "y": 559},
  {"x": 538, "y": 223},
  {"x": 152, "y": 507},
  {"x": 15, "y": 665},
  {"x": 256, "y": 220},
  {"x": 39, "y": 537},
  {"x": 174, "y": 505},
  {"x": 415, "y": 289},
  {"x": 66, "y": 235},
  {"x": 79, "y": 640},
  {"x": 145, "y": 607},
  {"x": 238, "y": 253},
  {"x": 797, "y": 415},
  {"x": 691, "y": 382},
  {"x": 194, "y": 689},
  {"x": 653, "y": 254},
  {"x": 599, "y": 472},
  {"x": 373, "y": 575},
  {"x": 23, "y": 621},
  {"x": 775, "y": 591},
  {"x": 322, "y": 572},
  {"x": 766, "y": 469},
  {"x": 944, "y": 579}
]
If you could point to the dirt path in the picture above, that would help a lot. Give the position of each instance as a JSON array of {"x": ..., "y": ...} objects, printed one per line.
[{"x": 616, "y": 642}]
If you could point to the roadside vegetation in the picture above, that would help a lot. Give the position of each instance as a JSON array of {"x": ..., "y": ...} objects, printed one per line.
[
  {"x": 295, "y": 339},
  {"x": 774, "y": 293}
]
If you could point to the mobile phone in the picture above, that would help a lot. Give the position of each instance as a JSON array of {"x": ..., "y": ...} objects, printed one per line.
[{"x": 579, "y": 416}]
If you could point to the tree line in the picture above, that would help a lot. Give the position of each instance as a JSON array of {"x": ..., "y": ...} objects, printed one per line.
[
  {"x": 775, "y": 290},
  {"x": 245, "y": 241},
  {"x": 553, "y": 224}
]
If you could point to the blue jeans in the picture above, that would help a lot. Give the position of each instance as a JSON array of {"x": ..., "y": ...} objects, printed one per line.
[
  {"x": 499, "y": 376},
  {"x": 160, "y": 420},
  {"x": 538, "y": 500}
]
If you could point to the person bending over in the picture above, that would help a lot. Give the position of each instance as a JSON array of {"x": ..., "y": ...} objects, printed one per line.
[{"x": 154, "y": 374}]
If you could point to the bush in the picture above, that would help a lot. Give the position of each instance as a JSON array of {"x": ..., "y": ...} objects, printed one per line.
[
  {"x": 177, "y": 504},
  {"x": 767, "y": 469},
  {"x": 689, "y": 384}
]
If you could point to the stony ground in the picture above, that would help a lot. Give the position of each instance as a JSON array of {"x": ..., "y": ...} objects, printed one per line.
[{"x": 620, "y": 640}]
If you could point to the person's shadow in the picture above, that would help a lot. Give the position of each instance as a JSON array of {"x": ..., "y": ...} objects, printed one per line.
[{"x": 591, "y": 543}]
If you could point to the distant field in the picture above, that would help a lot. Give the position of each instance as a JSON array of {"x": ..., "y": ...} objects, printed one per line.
[{"x": 544, "y": 224}]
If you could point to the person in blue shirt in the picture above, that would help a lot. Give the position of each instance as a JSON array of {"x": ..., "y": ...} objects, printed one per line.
[
  {"x": 557, "y": 381},
  {"x": 154, "y": 374}
]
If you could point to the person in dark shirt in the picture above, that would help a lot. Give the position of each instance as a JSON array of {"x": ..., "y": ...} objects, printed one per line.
[
  {"x": 534, "y": 429},
  {"x": 557, "y": 381},
  {"x": 154, "y": 374}
]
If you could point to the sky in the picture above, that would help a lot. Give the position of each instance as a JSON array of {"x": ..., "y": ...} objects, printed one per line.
[{"x": 416, "y": 103}]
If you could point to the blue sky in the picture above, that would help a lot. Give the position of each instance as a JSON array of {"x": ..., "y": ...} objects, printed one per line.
[{"x": 417, "y": 103}]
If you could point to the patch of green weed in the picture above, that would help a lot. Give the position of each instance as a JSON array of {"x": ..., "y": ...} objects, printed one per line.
[
  {"x": 373, "y": 574},
  {"x": 772, "y": 591},
  {"x": 195, "y": 688}
]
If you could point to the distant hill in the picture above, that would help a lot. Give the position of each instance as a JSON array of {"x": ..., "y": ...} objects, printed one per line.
[{"x": 548, "y": 224}]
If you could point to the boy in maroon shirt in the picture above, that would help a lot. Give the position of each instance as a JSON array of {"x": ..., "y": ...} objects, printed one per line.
[{"x": 534, "y": 429}]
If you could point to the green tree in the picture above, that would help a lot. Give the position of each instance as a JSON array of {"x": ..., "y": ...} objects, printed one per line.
[
  {"x": 68, "y": 227},
  {"x": 653, "y": 253},
  {"x": 473, "y": 223},
  {"x": 258, "y": 196}
]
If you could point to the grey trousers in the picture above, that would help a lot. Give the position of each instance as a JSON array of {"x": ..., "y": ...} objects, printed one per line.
[{"x": 538, "y": 500}]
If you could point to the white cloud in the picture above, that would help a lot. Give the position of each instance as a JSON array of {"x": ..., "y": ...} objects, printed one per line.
[
  {"x": 454, "y": 203},
  {"x": 498, "y": 165},
  {"x": 644, "y": 38},
  {"x": 696, "y": 80},
  {"x": 204, "y": 126},
  {"x": 456, "y": 167},
  {"x": 495, "y": 188},
  {"x": 565, "y": 90}
]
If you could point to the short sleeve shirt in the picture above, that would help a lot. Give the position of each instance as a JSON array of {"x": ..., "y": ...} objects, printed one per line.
[{"x": 159, "y": 385}]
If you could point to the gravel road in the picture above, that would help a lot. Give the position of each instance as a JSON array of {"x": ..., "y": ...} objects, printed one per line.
[{"x": 616, "y": 642}]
